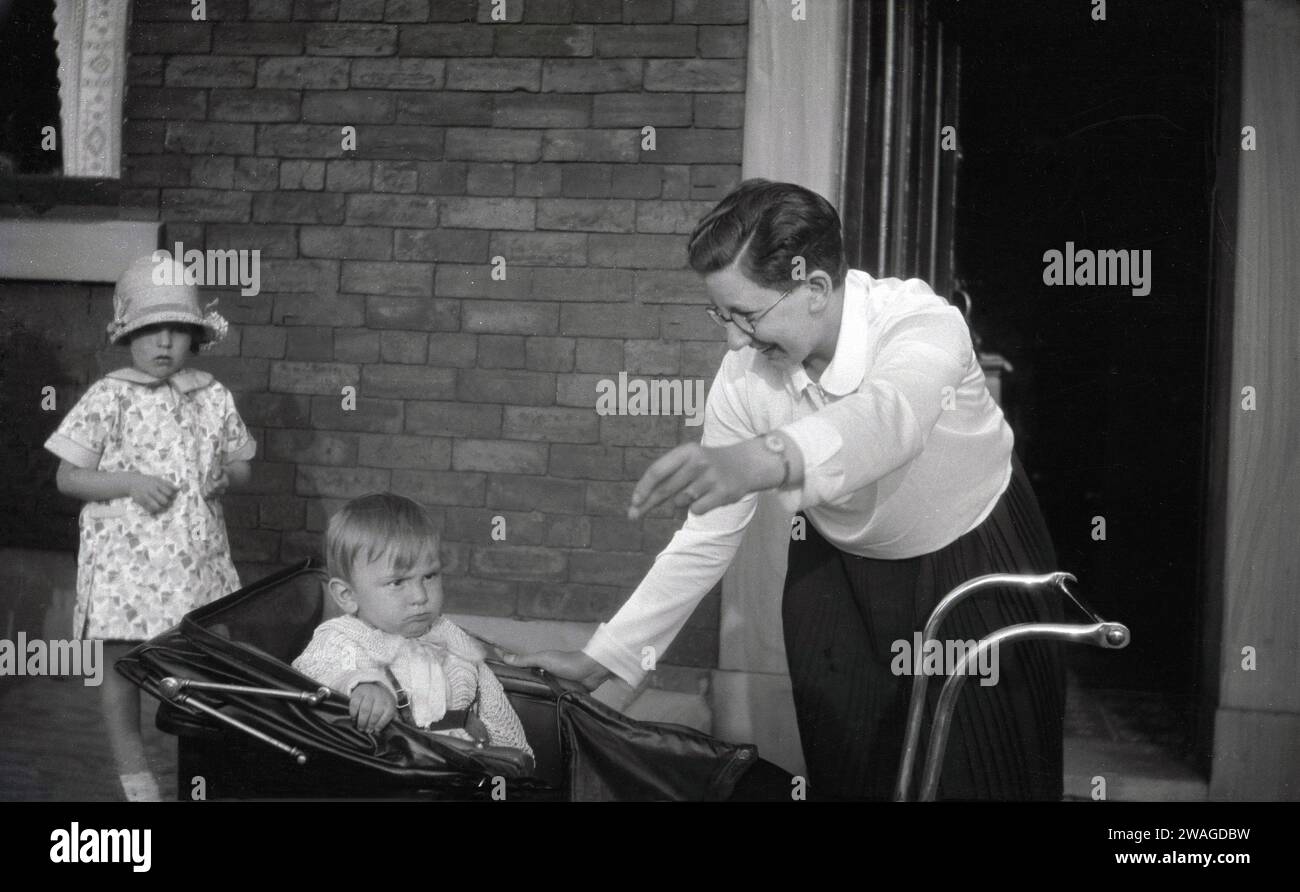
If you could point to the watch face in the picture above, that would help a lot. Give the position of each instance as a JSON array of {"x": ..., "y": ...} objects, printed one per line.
[{"x": 774, "y": 443}]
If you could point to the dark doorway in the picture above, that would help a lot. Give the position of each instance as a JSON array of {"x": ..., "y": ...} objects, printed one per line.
[
  {"x": 1099, "y": 134},
  {"x": 29, "y": 88}
]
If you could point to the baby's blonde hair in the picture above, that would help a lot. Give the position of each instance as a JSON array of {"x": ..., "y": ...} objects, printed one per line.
[{"x": 377, "y": 525}]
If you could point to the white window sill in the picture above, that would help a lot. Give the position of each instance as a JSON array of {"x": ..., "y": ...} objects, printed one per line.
[{"x": 73, "y": 250}]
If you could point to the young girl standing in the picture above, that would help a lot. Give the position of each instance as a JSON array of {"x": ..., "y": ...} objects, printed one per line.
[{"x": 150, "y": 449}]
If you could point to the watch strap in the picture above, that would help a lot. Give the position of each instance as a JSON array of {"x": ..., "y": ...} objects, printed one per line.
[{"x": 784, "y": 454}]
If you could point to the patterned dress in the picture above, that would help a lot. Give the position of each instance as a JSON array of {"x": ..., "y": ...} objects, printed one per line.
[
  {"x": 139, "y": 573},
  {"x": 441, "y": 670}
]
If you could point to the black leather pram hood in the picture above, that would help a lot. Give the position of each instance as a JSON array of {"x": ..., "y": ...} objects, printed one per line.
[{"x": 586, "y": 751}]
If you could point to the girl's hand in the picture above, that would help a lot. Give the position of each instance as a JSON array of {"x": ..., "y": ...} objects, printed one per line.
[
  {"x": 239, "y": 472},
  {"x": 573, "y": 665},
  {"x": 153, "y": 494},
  {"x": 696, "y": 476},
  {"x": 372, "y": 706},
  {"x": 235, "y": 473},
  {"x": 218, "y": 483}
]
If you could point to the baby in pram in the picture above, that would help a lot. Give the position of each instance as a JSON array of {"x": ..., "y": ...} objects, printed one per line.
[{"x": 392, "y": 652}]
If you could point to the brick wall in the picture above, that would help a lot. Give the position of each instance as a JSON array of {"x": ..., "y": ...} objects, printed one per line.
[
  {"x": 51, "y": 335},
  {"x": 475, "y": 139}
]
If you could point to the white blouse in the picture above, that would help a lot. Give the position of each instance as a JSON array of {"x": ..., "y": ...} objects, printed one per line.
[{"x": 904, "y": 451}]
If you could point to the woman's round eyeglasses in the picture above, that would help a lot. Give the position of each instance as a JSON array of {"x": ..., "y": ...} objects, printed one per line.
[{"x": 745, "y": 321}]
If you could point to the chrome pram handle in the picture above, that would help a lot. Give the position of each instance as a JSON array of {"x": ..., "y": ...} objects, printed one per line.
[
  {"x": 171, "y": 685},
  {"x": 176, "y": 690},
  {"x": 1100, "y": 633}
]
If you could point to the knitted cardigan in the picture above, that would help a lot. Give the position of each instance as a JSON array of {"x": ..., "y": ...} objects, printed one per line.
[{"x": 441, "y": 670}]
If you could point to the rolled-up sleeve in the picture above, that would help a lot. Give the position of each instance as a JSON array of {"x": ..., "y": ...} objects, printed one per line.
[
  {"x": 236, "y": 443},
  {"x": 83, "y": 434},
  {"x": 859, "y": 438}
]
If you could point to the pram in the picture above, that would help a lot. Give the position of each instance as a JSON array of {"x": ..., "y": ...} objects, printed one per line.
[
  {"x": 232, "y": 699},
  {"x": 230, "y": 696}
]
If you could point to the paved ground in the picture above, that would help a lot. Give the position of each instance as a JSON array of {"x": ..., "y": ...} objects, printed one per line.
[{"x": 53, "y": 746}]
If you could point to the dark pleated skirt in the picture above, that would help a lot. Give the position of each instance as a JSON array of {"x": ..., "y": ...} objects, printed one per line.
[{"x": 842, "y": 614}]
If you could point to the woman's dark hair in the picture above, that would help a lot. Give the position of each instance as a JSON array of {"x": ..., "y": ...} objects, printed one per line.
[{"x": 768, "y": 225}]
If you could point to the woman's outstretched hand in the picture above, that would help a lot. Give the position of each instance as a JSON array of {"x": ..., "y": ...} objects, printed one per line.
[
  {"x": 573, "y": 665},
  {"x": 703, "y": 478}
]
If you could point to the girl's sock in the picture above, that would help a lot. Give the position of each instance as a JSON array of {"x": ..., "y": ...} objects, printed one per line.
[{"x": 140, "y": 787}]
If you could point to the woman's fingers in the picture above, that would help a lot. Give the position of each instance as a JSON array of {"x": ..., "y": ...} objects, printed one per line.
[
  {"x": 671, "y": 475},
  {"x": 545, "y": 659},
  {"x": 686, "y": 485},
  {"x": 660, "y": 470},
  {"x": 571, "y": 665},
  {"x": 691, "y": 476}
]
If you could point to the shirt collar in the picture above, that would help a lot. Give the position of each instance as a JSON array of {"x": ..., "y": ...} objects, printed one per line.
[
  {"x": 848, "y": 366},
  {"x": 186, "y": 380}
]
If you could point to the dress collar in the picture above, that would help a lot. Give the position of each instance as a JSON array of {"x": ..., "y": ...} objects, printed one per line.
[
  {"x": 848, "y": 366},
  {"x": 186, "y": 380}
]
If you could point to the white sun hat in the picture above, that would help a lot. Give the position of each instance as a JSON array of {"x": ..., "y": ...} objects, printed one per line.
[{"x": 149, "y": 293}]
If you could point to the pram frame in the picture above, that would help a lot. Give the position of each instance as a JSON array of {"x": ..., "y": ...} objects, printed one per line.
[{"x": 1099, "y": 633}]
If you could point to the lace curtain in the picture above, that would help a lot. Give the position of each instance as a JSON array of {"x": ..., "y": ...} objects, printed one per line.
[{"x": 91, "y": 38}]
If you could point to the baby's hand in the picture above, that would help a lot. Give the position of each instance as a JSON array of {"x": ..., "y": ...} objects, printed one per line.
[
  {"x": 153, "y": 494},
  {"x": 372, "y": 706}
]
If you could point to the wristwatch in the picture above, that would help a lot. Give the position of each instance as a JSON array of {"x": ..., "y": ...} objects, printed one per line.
[{"x": 774, "y": 444}]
